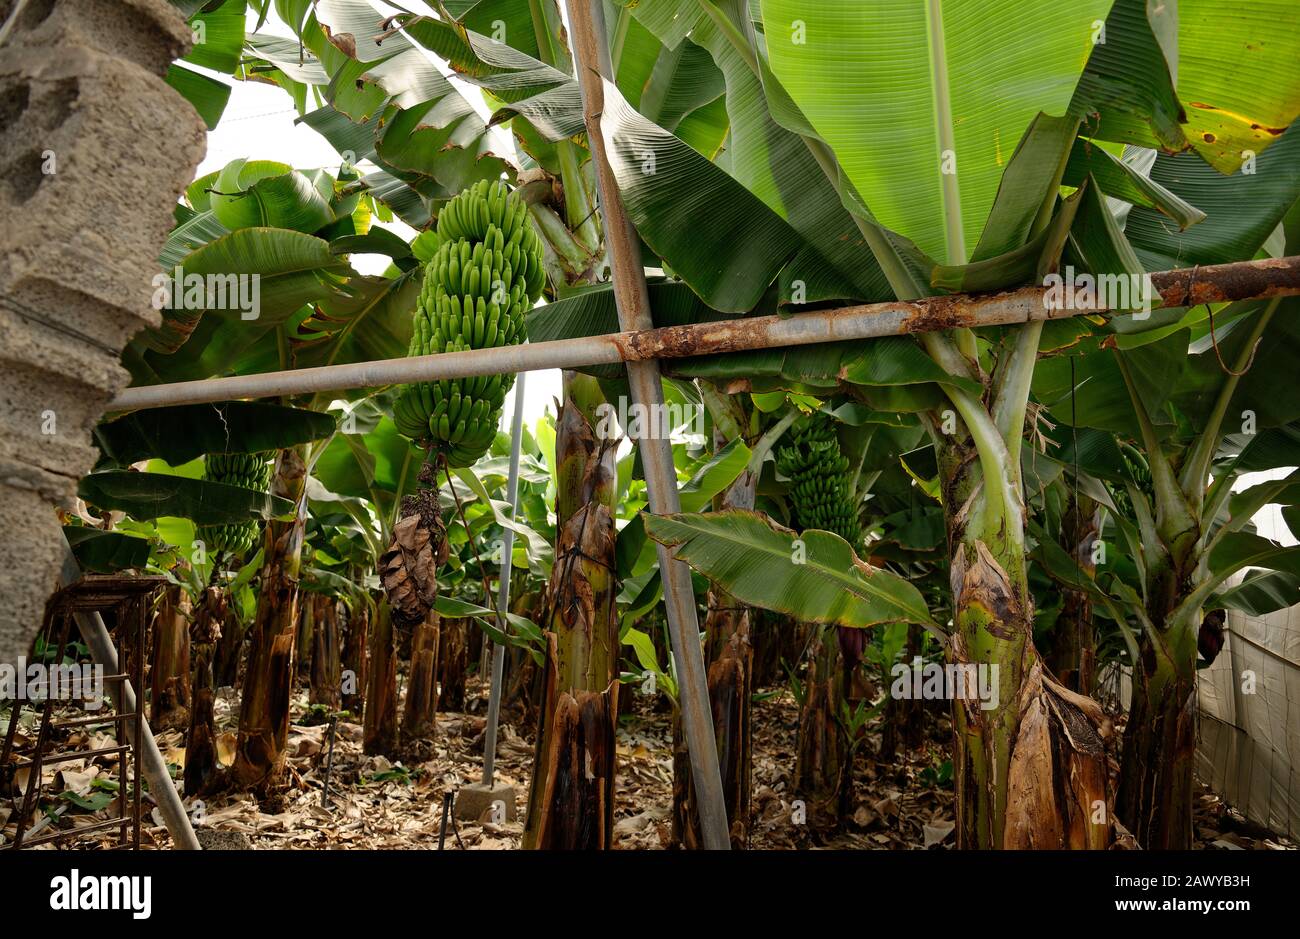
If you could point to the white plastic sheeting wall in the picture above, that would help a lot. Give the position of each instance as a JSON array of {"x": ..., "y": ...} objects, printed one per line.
[{"x": 1249, "y": 750}]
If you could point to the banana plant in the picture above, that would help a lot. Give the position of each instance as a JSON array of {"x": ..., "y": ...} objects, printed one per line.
[
  {"x": 1169, "y": 488},
  {"x": 844, "y": 138},
  {"x": 1185, "y": 438}
]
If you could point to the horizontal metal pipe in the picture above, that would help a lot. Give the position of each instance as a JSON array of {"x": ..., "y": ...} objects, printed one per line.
[{"x": 1242, "y": 280}]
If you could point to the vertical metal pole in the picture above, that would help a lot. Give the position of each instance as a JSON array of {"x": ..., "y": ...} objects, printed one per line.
[
  {"x": 503, "y": 589},
  {"x": 591, "y": 53}
]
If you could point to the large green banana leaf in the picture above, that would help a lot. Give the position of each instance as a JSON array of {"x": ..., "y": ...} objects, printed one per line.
[
  {"x": 221, "y": 30},
  {"x": 767, "y": 159},
  {"x": 1215, "y": 75},
  {"x": 1126, "y": 93},
  {"x": 508, "y": 21},
  {"x": 268, "y": 194},
  {"x": 106, "y": 552},
  {"x": 145, "y": 496},
  {"x": 760, "y": 564},
  {"x": 181, "y": 432},
  {"x": 715, "y": 234},
  {"x": 924, "y": 102},
  {"x": 292, "y": 269},
  {"x": 371, "y": 321},
  {"x": 1241, "y": 210},
  {"x": 1270, "y": 449}
]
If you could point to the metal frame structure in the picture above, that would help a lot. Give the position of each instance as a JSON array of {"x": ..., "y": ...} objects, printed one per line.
[
  {"x": 149, "y": 758},
  {"x": 128, "y": 598}
]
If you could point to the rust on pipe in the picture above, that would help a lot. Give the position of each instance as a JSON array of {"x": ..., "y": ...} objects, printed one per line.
[{"x": 1219, "y": 283}]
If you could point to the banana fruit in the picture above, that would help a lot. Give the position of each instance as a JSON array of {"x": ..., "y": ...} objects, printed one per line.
[
  {"x": 819, "y": 487},
  {"x": 478, "y": 288},
  {"x": 248, "y": 470}
]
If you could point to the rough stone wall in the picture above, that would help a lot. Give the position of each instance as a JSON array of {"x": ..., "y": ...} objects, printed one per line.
[{"x": 94, "y": 149}]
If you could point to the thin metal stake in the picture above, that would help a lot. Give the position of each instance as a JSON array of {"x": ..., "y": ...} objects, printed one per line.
[
  {"x": 591, "y": 53},
  {"x": 442, "y": 828},
  {"x": 329, "y": 763},
  {"x": 503, "y": 589}
]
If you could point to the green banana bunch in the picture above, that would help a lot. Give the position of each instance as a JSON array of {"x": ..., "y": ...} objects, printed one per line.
[
  {"x": 1140, "y": 473},
  {"x": 820, "y": 488},
  {"x": 248, "y": 470},
  {"x": 478, "y": 287}
]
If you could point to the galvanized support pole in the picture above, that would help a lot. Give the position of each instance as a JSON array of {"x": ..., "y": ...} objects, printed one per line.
[
  {"x": 1217, "y": 283},
  {"x": 591, "y": 56},
  {"x": 149, "y": 759},
  {"x": 503, "y": 589}
]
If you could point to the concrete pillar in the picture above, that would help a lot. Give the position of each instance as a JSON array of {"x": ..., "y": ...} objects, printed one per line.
[{"x": 94, "y": 150}]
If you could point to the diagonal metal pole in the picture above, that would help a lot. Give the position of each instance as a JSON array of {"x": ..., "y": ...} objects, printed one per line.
[
  {"x": 591, "y": 56},
  {"x": 503, "y": 589}
]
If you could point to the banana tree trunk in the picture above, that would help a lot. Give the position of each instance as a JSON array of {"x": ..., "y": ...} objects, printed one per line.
[
  {"x": 823, "y": 776},
  {"x": 764, "y": 636},
  {"x": 419, "y": 717},
  {"x": 201, "y": 737},
  {"x": 326, "y": 666},
  {"x": 355, "y": 659},
  {"x": 1029, "y": 755},
  {"x": 571, "y": 798},
  {"x": 169, "y": 674},
  {"x": 730, "y": 657},
  {"x": 226, "y": 655},
  {"x": 268, "y": 682},
  {"x": 452, "y": 663},
  {"x": 1074, "y": 640},
  {"x": 904, "y": 725},
  {"x": 307, "y": 635},
  {"x": 1155, "y": 789},
  {"x": 379, "y": 734}
]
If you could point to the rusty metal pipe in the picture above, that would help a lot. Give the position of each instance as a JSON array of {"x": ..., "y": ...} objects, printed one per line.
[{"x": 1241, "y": 280}]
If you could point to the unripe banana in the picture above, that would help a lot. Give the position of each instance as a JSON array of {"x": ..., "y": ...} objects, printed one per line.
[
  {"x": 819, "y": 489},
  {"x": 249, "y": 471},
  {"x": 478, "y": 288}
]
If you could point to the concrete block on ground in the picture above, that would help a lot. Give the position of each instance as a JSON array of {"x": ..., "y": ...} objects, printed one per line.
[{"x": 474, "y": 803}]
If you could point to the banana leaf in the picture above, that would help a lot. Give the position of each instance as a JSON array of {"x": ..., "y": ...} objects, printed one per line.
[{"x": 755, "y": 560}]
